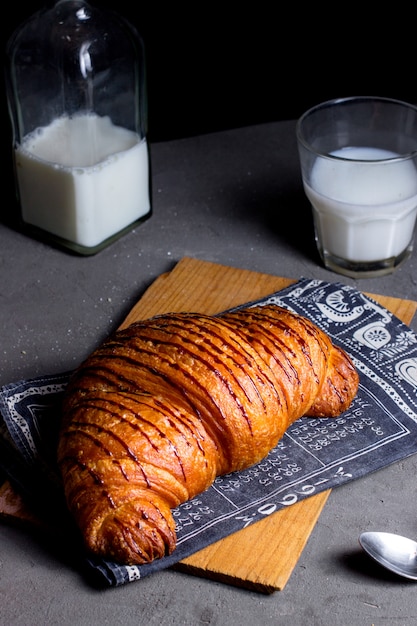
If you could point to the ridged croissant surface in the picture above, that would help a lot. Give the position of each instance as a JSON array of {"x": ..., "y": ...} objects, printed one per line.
[{"x": 166, "y": 405}]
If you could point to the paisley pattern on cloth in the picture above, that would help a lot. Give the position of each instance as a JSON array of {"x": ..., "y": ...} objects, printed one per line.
[{"x": 378, "y": 429}]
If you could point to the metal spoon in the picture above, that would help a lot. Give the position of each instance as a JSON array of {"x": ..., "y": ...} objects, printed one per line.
[{"x": 396, "y": 553}]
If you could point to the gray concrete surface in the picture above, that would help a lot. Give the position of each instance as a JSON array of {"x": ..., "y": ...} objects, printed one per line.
[{"x": 234, "y": 198}]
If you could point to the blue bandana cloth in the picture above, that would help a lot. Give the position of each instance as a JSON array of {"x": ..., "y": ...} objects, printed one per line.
[{"x": 378, "y": 429}]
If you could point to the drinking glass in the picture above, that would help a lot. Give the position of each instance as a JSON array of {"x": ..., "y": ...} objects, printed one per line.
[{"x": 358, "y": 161}]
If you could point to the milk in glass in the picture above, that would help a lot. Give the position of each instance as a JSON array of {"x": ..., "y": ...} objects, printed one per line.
[
  {"x": 364, "y": 211},
  {"x": 82, "y": 178}
]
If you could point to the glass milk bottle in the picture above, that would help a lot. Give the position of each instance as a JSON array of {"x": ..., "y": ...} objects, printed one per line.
[{"x": 77, "y": 101}]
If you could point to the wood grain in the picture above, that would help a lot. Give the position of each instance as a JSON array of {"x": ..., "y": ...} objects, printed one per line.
[{"x": 262, "y": 556}]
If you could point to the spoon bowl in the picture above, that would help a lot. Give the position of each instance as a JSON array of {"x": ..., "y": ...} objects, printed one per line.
[{"x": 395, "y": 553}]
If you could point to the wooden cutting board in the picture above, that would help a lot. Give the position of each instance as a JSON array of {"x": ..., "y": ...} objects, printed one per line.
[{"x": 262, "y": 556}]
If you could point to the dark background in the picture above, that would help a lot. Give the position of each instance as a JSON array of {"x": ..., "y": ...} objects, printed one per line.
[{"x": 212, "y": 66}]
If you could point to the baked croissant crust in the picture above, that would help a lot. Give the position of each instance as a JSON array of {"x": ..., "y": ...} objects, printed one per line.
[{"x": 167, "y": 404}]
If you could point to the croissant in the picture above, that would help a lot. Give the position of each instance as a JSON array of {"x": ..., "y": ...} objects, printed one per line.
[{"x": 167, "y": 404}]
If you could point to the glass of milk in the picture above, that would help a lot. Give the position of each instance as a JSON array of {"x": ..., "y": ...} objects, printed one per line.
[
  {"x": 359, "y": 169},
  {"x": 77, "y": 101}
]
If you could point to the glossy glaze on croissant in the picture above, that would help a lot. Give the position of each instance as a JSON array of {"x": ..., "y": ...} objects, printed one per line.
[{"x": 166, "y": 405}]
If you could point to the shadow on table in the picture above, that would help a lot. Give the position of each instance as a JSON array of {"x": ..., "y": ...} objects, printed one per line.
[
  {"x": 359, "y": 563},
  {"x": 284, "y": 213}
]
